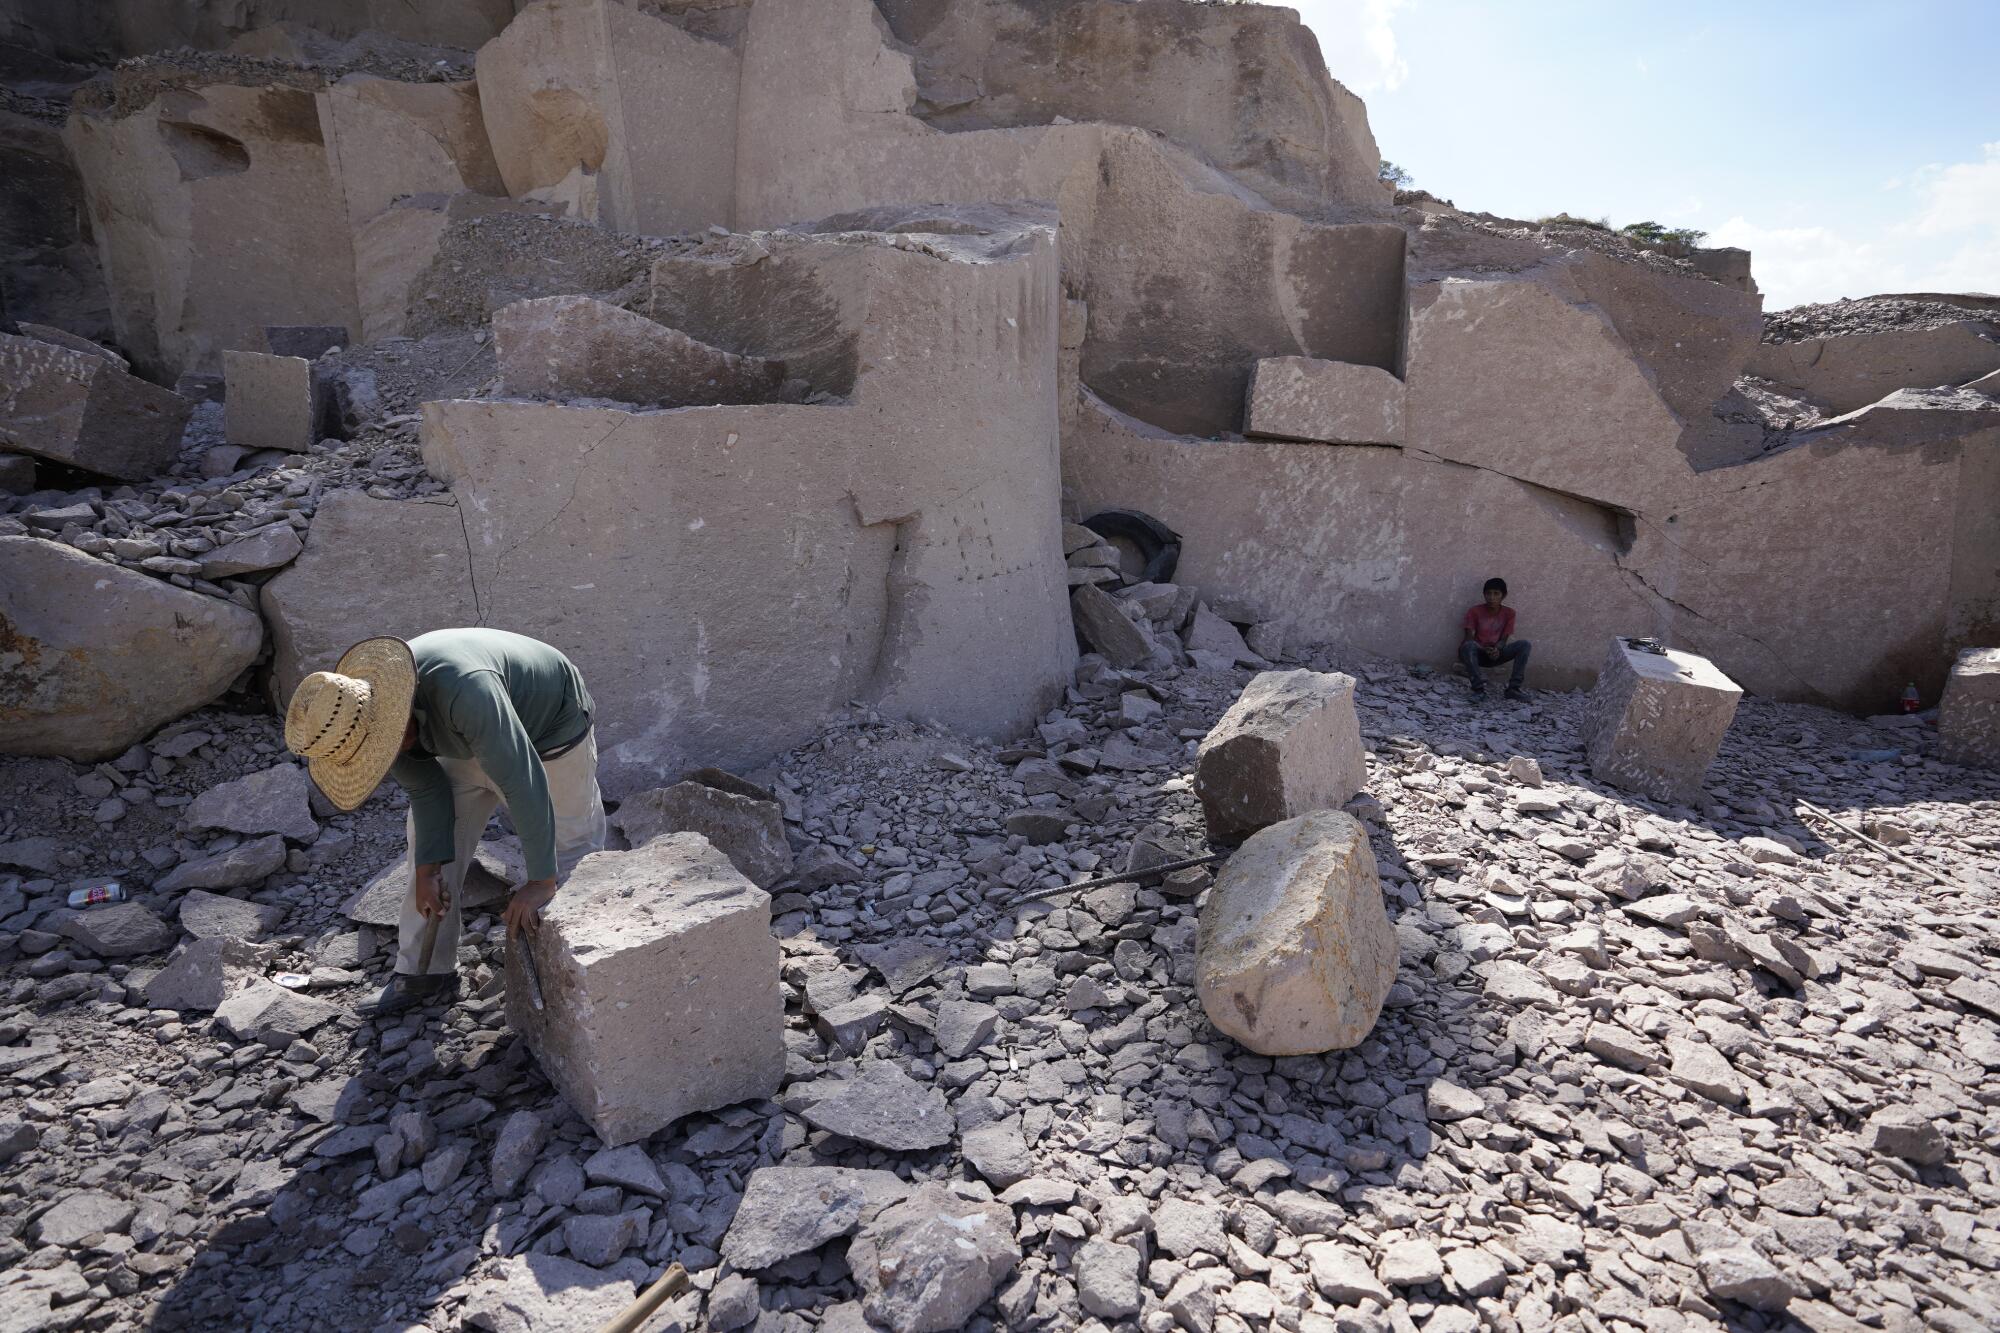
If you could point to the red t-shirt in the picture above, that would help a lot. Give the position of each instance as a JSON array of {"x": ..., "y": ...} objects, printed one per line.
[{"x": 1490, "y": 628}]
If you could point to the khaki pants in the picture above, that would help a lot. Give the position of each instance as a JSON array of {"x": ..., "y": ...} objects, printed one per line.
[{"x": 579, "y": 811}]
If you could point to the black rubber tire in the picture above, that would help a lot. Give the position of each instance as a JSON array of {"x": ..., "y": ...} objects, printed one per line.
[{"x": 1158, "y": 543}]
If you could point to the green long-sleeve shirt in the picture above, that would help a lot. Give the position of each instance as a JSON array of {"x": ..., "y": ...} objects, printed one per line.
[{"x": 501, "y": 700}]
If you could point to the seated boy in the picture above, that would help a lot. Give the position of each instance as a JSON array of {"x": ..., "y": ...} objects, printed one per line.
[{"x": 1489, "y": 641}]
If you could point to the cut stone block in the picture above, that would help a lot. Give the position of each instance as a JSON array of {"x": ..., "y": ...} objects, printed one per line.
[
  {"x": 1289, "y": 744},
  {"x": 659, "y": 975},
  {"x": 1969, "y": 718},
  {"x": 579, "y": 347},
  {"x": 1295, "y": 953},
  {"x": 269, "y": 402},
  {"x": 1655, "y": 720},
  {"x": 1333, "y": 402},
  {"x": 79, "y": 407}
]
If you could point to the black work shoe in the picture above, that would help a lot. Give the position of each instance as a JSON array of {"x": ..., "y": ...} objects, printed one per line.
[
  {"x": 404, "y": 993},
  {"x": 1515, "y": 692},
  {"x": 1478, "y": 692}
]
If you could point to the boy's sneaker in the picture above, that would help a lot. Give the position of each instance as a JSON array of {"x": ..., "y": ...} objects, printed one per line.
[{"x": 1516, "y": 693}]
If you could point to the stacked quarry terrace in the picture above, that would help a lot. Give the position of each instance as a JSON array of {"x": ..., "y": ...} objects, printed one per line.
[{"x": 970, "y": 449}]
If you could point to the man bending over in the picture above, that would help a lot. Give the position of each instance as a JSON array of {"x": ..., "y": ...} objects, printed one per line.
[{"x": 466, "y": 720}]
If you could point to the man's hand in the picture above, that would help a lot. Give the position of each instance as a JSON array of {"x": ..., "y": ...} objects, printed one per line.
[
  {"x": 431, "y": 897},
  {"x": 524, "y": 909}
]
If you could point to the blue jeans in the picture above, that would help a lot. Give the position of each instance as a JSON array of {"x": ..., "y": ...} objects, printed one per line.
[{"x": 1474, "y": 657}]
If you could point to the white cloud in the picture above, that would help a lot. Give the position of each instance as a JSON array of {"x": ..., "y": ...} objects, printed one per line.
[
  {"x": 1948, "y": 242},
  {"x": 1964, "y": 197},
  {"x": 1358, "y": 39}
]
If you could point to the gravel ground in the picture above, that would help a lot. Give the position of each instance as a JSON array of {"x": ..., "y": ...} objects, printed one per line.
[{"x": 1643, "y": 1067}]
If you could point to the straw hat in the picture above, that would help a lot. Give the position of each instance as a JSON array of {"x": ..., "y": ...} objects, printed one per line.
[{"x": 348, "y": 723}]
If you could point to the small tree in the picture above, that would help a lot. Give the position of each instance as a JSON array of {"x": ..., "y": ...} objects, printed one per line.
[{"x": 1393, "y": 174}]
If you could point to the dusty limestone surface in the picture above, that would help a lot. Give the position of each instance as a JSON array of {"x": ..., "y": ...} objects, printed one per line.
[
  {"x": 79, "y": 406},
  {"x": 913, "y": 528},
  {"x": 1288, "y": 746},
  {"x": 169, "y": 186},
  {"x": 1969, "y": 716},
  {"x": 558, "y": 347},
  {"x": 660, "y": 981},
  {"x": 1334, "y": 402},
  {"x": 986, "y": 64},
  {"x": 94, "y": 657},
  {"x": 325, "y": 602},
  {"x": 270, "y": 402},
  {"x": 1656, "y": 720},
  {"x": 1296, "y": 953}
]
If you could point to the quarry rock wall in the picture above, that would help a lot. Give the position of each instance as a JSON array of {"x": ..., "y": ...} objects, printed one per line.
[{"x": 812, "y": 307}]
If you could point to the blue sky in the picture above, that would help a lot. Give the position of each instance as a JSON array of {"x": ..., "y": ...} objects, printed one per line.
[{"x": 1853, "y": 148}]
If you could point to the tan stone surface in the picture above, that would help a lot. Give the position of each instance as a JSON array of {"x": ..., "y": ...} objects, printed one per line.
[
  {"x": 1655, "y": 720},
  {"x": 659, "y": 976},
  {"x": 1295, "y": 953},
  {"x": 1969, "y": 717},
  {"x": 386, "y": 139},
  {"x": 1843, "y": 373},
  {"x": 270, "y": 402},
  {"x": 645, "y": 107},
  {"x": 1413, "y": 541},
  {"x": 332, "y": 596},
  {"x": 80, "y": 407},
  {"x": 1289, "y": 745},
  {"x": 170, "y": 187},
  {"x": 560, "y": 347},
  {"x": 729, "y": 576},
  {"x": 94, "y": 658},
  {"x": 390, "y": 250},
  {"x": 1335, "y": 402},
  {"x": 979, "y": 65}
]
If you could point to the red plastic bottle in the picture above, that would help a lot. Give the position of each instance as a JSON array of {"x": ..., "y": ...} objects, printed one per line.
[{"x": 1911, "y": 702}]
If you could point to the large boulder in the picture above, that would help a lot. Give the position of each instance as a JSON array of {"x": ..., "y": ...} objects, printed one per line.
[
  {"x": 1295, "y": 953},
  {"x": 1290, "y": 743},
  {"x": 94, "y": 658},
  {"x": 82, "y": 408}
]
